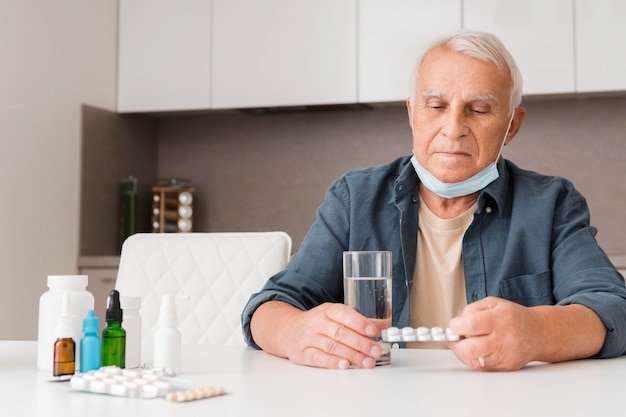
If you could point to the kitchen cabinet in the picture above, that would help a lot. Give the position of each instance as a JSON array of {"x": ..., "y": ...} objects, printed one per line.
[
  {"x": 600, "y": 52},
  {"x": 283, "y": 53},
  {"x": 538, "y": 33},
  {"x": 164, "y": 55},
  {"x": 391, "y": 36},
  {"x": 224, "y": 54},
  {"x": 217, "y": 54}
]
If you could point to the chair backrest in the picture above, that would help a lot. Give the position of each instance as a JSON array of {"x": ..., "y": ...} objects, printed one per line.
[{"x": 218, "y": 271}]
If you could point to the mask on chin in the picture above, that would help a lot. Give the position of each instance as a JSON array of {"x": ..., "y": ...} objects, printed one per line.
[
  {"x": 468, "y": 186},
  {"x": 456, "y": 189}
]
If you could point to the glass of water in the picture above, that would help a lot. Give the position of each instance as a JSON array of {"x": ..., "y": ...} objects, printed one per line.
[{"x": 367, "y": 289}]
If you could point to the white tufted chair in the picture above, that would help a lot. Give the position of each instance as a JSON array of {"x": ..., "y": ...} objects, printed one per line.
[{"x": 218, "y": 271}]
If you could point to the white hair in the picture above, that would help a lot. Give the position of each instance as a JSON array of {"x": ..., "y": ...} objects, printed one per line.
[{"x": 483, "y": 46}]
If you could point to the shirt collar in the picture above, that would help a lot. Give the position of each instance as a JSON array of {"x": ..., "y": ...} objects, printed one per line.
[
  {"x": 407, "y": 180},
  {"x": 496, "y": 192}
]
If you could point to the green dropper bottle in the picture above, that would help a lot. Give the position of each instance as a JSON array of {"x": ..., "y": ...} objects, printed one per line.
[{"x": 114, "y": 336}]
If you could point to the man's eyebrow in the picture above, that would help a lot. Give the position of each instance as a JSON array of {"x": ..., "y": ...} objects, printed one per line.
[
  {"x": 483, "y": 97},
  {"x": 432, "y": 94},
  {"x": 489, "y": 97}
]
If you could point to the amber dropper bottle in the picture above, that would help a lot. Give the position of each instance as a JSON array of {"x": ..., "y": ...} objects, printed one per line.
[
  {"x": 114, "y": 336},
  {"x": 64, "y": 361}
]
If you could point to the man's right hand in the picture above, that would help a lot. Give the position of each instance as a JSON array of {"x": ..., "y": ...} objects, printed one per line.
[{"x": 330, "y": 335}]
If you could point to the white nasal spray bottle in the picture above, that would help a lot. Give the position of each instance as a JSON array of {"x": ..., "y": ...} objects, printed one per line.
[{"x": 167, "y": 339}]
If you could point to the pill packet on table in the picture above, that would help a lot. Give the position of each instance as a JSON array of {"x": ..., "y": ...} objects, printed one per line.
[
  {"x": 420, "y": 334},
  {"x": 139, "y": 383}
]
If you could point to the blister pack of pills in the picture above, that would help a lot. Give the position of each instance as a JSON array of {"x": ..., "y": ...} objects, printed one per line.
[
  {"x": 139, "y": 383},
  {"x": 420, "y": 334},
  {"x": 194, "y": 394}
]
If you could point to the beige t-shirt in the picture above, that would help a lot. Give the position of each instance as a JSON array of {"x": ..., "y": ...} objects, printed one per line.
[{"x": 438, "y": 290}]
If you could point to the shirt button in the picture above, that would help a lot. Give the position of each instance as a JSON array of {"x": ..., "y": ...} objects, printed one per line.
[
  {"x": 488, "y": 210},
  {"x": 400, "y": 187}
]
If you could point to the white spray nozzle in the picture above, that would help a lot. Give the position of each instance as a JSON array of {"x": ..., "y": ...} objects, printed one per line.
[
  {"x": 168, "y": 316},
  {"x": 65, "y": 320}
]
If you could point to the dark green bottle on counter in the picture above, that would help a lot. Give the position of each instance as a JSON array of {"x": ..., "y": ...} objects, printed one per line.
[{"x": 114, "y": 336}]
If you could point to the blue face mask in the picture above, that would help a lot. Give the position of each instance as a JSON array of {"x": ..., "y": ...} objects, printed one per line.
[{"x": 466, "y": 187}]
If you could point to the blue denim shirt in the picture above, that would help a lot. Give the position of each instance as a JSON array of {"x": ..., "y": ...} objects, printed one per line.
[{"x": 530, "y": 242}]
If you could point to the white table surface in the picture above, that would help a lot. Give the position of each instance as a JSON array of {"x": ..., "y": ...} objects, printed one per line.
[{"x": 418, "y": 383}]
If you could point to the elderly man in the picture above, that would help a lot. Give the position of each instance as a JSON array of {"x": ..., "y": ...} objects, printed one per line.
[{"x": 503, "y": 256}]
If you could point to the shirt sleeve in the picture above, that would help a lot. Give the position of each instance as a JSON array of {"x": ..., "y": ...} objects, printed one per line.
[
  {"x": 314, "y": 274},
  {"x": 583, "y": 274}
]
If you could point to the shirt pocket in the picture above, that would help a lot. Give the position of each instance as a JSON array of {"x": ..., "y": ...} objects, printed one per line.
[{"x": 528, "y": 290}]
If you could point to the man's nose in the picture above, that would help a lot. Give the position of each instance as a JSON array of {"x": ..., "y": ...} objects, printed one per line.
[{"x": 455, "y": 124}]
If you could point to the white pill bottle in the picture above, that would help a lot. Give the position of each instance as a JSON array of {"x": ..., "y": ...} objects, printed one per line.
[
  {"x": 168, "y": 339},
  {"x": 50, "y": 304}
]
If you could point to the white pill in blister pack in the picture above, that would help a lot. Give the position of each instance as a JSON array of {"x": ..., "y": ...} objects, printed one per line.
[
  {"x": 420, "y": 334},
  {"x": 122, "y": 382},
  {"x": 143, "y": 383}
]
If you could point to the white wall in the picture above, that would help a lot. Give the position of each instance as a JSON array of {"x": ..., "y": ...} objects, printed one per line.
[{"x": 54, "y": 57}]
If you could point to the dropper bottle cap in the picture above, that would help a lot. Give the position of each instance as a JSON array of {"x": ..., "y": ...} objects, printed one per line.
[
  {"x": 90, "y": 323},
  {"x": 114, "y": 311}
]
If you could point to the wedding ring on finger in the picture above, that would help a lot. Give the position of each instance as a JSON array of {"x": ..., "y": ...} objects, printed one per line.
[{"x": 481, "y": 361}]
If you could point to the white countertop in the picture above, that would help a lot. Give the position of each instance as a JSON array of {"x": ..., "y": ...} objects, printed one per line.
[{"x": 419, "y": 383}]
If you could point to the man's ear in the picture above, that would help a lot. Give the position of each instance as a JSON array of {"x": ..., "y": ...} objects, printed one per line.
[
  {"x": 516, "y": 124},
  {"x": 409, "y": 110}
]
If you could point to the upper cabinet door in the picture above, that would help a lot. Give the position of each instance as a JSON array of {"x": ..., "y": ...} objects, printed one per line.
[
  {"x": 283, "y": 52},
  {"x": 538, "y": 33},
  {"x": 164, "y": 55},
  {"x": 392, "y": 35},
  {"x": 600, "y": 50}
]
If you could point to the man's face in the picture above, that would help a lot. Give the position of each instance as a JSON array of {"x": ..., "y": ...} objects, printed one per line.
[{"x": 459, "y": 117}]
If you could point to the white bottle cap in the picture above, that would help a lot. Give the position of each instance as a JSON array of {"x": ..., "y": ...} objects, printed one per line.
[
  {"x": 65, "y": 322},
  {"x": 67, "y": 280},
  {"x": 168, "y": 315}
]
